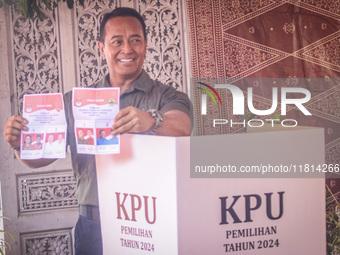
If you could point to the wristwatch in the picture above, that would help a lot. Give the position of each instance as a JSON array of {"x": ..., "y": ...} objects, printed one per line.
[{"x": 158, "y": 116}]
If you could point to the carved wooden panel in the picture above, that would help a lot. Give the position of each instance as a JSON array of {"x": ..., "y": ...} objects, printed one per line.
[
  {"x": 91, "y": 64},
  {"x": 293, "y": 40},
  {"x": 39, "y": 192},
  {"x": 164, "y": 59},
  {"x": 36, "y": 60},
  {"x": 43, "y": 243}
]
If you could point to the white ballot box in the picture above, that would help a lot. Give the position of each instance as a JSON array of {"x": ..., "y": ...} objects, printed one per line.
[{"x": 159, "y": 196}]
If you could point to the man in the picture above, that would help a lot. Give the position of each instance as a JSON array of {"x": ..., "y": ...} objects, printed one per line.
[
  {"x": 59, "y": 145},
  {"x": 49, "y": 149},
  {"x": 112, "y": 139},
  {"x": 146, "y": 107},
  {"x": 38, "y": 144},
  {"x": 101, "y": 139},
  {"x": 81, "y": 139},
  {"x": 89, "y": 138}
]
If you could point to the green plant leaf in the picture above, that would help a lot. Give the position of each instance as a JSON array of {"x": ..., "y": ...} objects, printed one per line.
[
  {"x": 333, "y": 196},
  {"x": 3, "y": 231},
  {"x": 5, "y": 245},
  {"x": 332, "y": 220},
  {"x": 30, "y": 8},
  {"x": 48, "y": 5},
  {"x": 22, "y": 5},
  {"x": 6, "y": 218},
  {"x": 40, "y": 14},
  {"x": 329, "y": 248},
  {"x": 24, "y": 8}
]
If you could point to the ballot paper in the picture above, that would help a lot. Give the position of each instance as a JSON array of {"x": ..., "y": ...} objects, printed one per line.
[
  {"x": 94, "y": 110},
  {"x": 47, "y": 127}
]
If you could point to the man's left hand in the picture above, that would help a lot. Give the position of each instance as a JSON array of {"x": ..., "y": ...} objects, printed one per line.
[{"x": 132, "y": 120}]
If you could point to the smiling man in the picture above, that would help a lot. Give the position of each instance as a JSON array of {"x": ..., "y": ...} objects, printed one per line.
[
  {"x": 101, "y": 138},
  {"x": 147, "y": 106}
]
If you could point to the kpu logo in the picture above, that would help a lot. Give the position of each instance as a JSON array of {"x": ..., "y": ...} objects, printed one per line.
[
  {"x": 239, "y": 102},
  {"x": 134, "y": 204},
  {"x": 251, "y": 202}
]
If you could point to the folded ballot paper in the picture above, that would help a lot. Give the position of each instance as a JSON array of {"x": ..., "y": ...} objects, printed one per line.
[
  {"x": 94, "y": 110},
  {"x": 47, "y": 127}
]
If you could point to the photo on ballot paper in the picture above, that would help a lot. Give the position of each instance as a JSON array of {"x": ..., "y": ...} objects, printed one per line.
[
  {"x": 106, "y": 136},
  {"x": 85, "y": 136},
  {"x": 55, "y": 144},
  {"x": 33, "y": 141}
]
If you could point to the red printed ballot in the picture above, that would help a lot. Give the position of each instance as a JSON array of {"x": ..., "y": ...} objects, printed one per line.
[
  {"x": 94, "y": 111},
  {"x": 47, "y": 126}
]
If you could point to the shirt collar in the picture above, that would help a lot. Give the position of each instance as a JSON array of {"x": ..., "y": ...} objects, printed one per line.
[
  {"x": 143, "y": 83},
  {"x": 104, "y": 82}
]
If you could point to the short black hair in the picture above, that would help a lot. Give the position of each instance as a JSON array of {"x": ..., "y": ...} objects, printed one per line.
[
  {"x": 29, "y": 137},
  {"x": 120, "y": 12}
]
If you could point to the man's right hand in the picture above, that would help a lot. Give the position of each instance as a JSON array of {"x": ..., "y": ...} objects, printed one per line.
[
  {"x": 12, "y": 135},
  {"x": 13, "y": 128}
]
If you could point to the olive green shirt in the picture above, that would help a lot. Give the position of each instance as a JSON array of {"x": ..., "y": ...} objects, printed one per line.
[{"x": 145, "y": 94}]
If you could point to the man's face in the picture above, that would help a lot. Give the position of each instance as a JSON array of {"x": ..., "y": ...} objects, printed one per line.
[
  {"x": 89, "y": 133},
  {"x": 50, "y": 138},
  {"x": 80, "y": 133},
  {"x": 38, "y": 139},
  {"x": 60, "y": 138},
  {"x": 124, "y": 48},
  {"x": 27, "y": 139},
  {"x": 102, "y": 134}
]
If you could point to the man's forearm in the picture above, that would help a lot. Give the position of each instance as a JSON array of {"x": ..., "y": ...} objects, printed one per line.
[{"x": 176, "y": 123}]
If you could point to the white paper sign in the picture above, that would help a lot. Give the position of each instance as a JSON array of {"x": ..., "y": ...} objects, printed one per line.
[
  {"x": 47, "y": 127},
  {"x": 94, "y": 111},
  {"x": 149, "y": 204}
]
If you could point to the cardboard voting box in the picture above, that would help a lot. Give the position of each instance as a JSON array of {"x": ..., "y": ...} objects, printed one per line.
[{"x": 149, "y": 204}]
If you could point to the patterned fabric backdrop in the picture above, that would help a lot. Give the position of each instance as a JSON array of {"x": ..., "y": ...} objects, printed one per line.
[
  {"x": 272, "y": 43},
  {"x": 269, "y": 40}
]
